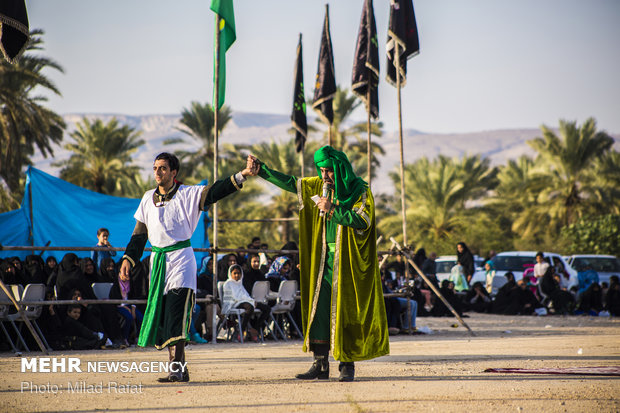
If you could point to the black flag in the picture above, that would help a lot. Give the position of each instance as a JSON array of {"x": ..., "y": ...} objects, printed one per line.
[
  {"x": 403, "y": 32},
  {"x": 325, "y": 86},
  {"x": 298, "y": 117},
  {"x": 14, "y": 29},
  {"x": 366, "y": 63}
]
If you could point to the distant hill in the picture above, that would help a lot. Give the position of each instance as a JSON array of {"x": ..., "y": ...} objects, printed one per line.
[{"x": 249, "y": 128}]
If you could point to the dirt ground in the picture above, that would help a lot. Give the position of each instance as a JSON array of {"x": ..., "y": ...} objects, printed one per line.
[{"x": 442, "y": 372}]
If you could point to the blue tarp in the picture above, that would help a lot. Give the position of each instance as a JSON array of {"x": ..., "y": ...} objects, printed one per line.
[{"x": 67, "y": 215}]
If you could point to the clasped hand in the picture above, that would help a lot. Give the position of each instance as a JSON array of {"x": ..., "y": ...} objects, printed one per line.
[{"x": 252, "y": 166}]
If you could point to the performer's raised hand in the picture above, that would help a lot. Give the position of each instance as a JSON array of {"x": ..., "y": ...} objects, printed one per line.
[{"x": 251, "y": 168}]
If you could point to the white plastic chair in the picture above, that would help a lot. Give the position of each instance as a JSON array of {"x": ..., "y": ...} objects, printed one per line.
[
  {"x": 286, "y": 303},
  {"x": 4, "y": 316},
  {"x": 102, "y": 290},
  {"x": 230, "y": 313},
  {"x": 260, "y": 294},
  {"x": 17, "y": 290},
  {"x": 32, "y": 292}
]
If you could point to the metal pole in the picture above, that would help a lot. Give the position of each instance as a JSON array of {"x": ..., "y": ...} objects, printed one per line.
[
  {"x": 216, "y": 97},
  {"x": 31, "y": 229}
]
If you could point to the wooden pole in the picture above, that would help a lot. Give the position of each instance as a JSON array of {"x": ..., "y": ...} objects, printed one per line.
[
  {"x": 301, "y": 160},
  {"x": 216, "y": 97},
  {"x": 368, "y": 125},
  {"x": 430, "y": 284},
  {"x": 329, "y": 134},
  {"x": 402, "y": 157}
]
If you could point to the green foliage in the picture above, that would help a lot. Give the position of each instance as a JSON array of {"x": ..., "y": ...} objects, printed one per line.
[
  {"x": 565, "y": 167},
  {"x": 438, "y": 195},
  {"x": 594, "y": 235},
  {"x": 101, "y": 158},
  {"x": 10, "y": 200},
  {"x": 24, "y": 122},
  {"x": 198, "y": 123}
]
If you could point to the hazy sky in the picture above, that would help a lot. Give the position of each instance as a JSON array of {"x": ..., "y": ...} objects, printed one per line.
[{"x": 483, "y": 64}]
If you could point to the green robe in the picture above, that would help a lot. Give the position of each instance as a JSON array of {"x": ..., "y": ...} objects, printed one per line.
[{"x": 358, "y": 321}]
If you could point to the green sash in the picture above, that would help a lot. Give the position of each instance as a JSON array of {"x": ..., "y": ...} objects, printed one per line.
[{"x": 151, "y": 323}]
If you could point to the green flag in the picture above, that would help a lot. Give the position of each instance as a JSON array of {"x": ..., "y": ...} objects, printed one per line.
[{"x": 223, "y": 9}]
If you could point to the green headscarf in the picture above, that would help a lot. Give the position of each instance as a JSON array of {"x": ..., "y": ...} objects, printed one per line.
[{"x": 348, "y": 186}]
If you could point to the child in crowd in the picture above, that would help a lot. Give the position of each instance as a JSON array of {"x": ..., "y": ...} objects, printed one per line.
[
  {"x": 102, "y": 241},
  {"x": 235, "y": 296},
  {"x": 77, "y": 335}
]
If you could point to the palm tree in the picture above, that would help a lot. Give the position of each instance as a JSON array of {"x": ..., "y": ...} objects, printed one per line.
[
  {"x": 437, "y": 194},
  {"x": 567, "y": 163},
  {"x": 24, "y": 122},
  {"x": 101, "y": 159},
  {"x": 197, "y": 123},
  {"x": 517, "y": 189},
  {"x": 604, "y": 184},
  {"x": 352, "y": 139}
]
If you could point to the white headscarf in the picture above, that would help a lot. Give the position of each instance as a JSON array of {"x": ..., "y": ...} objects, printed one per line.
[{"x": 234, "y": 292}]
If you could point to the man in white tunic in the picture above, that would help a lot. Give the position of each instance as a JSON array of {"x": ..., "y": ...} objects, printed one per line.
[{"x": 167, "y": 217}]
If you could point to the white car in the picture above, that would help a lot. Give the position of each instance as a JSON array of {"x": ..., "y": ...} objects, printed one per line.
[
  {"x": 517, "y": 261},
  {"x": 444, "y": 264},
  {"x": 604, "y": 265}
]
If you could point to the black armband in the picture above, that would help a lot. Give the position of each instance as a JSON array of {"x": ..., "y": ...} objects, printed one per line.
[{"x": 135, "y": 248}]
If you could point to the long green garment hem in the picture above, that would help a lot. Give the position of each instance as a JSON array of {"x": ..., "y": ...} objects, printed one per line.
[
  {"x": 319, "y": 331},
  {"x": 151, "y": 328}
]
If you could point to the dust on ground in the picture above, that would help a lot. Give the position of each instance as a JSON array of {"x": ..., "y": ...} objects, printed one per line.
[{"x": 442, "y": 372}]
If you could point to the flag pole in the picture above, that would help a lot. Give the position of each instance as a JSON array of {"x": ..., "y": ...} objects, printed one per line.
[
  {"x": 400, "y": 138},
  {"x": 301, "y": 160},
  {"x": 329, "y": 134},
  {"x": 368, "y": 149},
  {"x": 216, "y": 97}
]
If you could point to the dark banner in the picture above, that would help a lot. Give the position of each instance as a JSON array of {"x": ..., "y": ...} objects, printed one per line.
[
  {"x": 14, "y": 29},
  {"x": 402, "y": 32},
  {"x": 298, "y": 117},
  {"x": 366, "y": 64},
  {"x": 325, "y": 86}
]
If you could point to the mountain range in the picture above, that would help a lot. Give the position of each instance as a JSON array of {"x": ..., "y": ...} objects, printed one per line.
[{"x": 249, "y": 128}]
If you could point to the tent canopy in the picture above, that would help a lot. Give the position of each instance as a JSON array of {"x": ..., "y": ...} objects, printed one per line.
[{"x": 66, "y": 215}]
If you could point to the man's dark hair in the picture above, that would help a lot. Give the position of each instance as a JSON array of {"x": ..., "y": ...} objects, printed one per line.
[
  {"x": 173, "y": 161},
  {"x": 255, "y": 239},
  {"x": 100, "y": 230},
  {"x": 71, "y": 307},
  {"x": 540, "y": 254}
]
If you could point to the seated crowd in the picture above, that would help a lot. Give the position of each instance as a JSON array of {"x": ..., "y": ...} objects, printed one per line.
[
  {"x": 89, "y": 326},
  {"x": 539, "y": 292}
]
